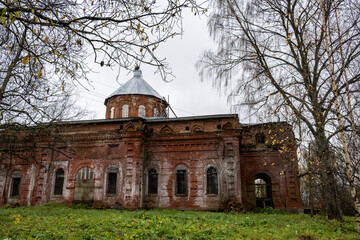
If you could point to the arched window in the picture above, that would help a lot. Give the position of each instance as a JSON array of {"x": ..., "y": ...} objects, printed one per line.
[
  {"x": 125, "y": 111},
  {"x": 15, "y": 184},
  {"x": 263, "y": 197},
  {"x": 211, "y": 181},
  {"x": 112, "y": 112},
  {"x": 181, "y": 180},
  {"x": 85, "y": 174},
  {"x": 112, "y": 173},
  {"x": 152, "y": 181},
  {"x": 141, "y": 111},
  {"x": 260, "y": 137},
  {"x": 59, "y": 181},
  {"x": 156, "y": 112}
]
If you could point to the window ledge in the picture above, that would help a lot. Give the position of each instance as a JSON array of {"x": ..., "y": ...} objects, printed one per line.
[
  {"x": 152, "y": 194},
  {"x": 212, "y": 195},
  {"x": 111, "y": 194},
  {"x": 181, "y": 195}
]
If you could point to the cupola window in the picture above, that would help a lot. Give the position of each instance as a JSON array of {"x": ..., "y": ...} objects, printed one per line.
[
  {"x": 141, "y": 111},
  {"x": 125, "y": 111},
  {"x": 156, "y": 112},
  {"x": 112, "y": 112}
]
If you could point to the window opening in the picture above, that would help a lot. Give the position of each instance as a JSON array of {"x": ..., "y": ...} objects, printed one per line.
[
  {"x": 125, "y": 111},
  {"x": 111, "y": 183},
  {"x": 212, "y": 181},
  {"x": 260, "y": 137},
  {"x": 181, "y": 181},
  {"x": 112, "y": 112},
  {"x": 59, "y": 182},
  {"x": 141, "y": 111},
  {"x": 152, "y": 181},
  {"x": 112, "y": 173},
  {"x": 16, "y": 180},
  {"x": 156, "y": 112}
]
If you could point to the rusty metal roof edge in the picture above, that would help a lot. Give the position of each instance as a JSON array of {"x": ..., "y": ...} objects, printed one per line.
[
  {"x": 202, "y": 117},
  {"x": 266, "y": 123},
  {"x": 149, "y": 120}
]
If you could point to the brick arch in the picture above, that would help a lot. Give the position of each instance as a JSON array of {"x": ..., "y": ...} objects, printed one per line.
[
  {"x": 77, "y": 168},
  {"x": 166, "y": 129},
  {"x": 264, "y": 172},
  {"x": 129, "y": 127},
  {"x": 179, "y": 165},
  {"x": 196, "y": 128},
  {"x": 91, "y": 172},
  {"x": 227, "y": 126}
]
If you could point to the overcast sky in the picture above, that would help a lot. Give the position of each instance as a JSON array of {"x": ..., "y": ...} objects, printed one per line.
[{"x": 188, "y": 95}]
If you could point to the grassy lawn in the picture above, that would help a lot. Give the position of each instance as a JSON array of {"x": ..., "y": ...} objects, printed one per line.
[{"x": 54, "y": 221}]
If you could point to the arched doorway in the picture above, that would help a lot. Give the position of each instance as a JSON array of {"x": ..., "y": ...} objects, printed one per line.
[
  {"x": 84, "y": 185},
  {"x": 263, "y": 195}
]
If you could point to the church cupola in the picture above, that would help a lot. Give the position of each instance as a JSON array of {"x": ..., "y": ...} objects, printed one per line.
[{"x": 135, "y": 98}]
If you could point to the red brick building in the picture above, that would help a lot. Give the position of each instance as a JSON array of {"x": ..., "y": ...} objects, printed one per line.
[{"x": 139, "y": 158}]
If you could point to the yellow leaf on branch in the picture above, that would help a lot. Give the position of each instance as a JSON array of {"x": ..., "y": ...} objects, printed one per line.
[
  {"x": 25, "y": 60},
  {"x": 39, "y": 74}
]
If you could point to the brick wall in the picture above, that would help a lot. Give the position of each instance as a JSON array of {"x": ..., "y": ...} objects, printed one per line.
[{"x": 133, "y": 146}]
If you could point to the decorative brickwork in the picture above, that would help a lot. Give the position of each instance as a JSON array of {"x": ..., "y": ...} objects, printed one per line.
[
  {"x": 126, "y": 161},
  {"x": 130, "y": 147}
]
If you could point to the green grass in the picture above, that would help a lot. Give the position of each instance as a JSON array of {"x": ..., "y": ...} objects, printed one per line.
[{"x": 55, "y": 221}]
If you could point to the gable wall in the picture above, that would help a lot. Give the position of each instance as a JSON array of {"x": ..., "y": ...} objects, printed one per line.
[{"x": 276, "y": 158}]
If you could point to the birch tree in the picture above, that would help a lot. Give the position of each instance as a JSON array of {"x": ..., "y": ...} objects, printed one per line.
[{"x": 275, "y": 52}]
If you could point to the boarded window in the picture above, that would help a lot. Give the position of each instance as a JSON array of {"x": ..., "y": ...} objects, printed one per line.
[
  {"x": 85, "y": 174},
  {"x": 181, "y": 181},
  {"x": 59, "y": 182},
  {"x": 211, "y": 181},
  {"x": 84, "y": 185},
  {"x": 152, "y": 181},
  {"x": 125, "y": 111},
  {"x": 15, "y": 184},
  {"x": 141, "y": 111}
]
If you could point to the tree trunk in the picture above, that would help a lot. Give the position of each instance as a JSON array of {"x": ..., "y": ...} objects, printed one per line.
[
  {"x": 327, "y": 174},
  {"x": 349, "y": 171}
]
